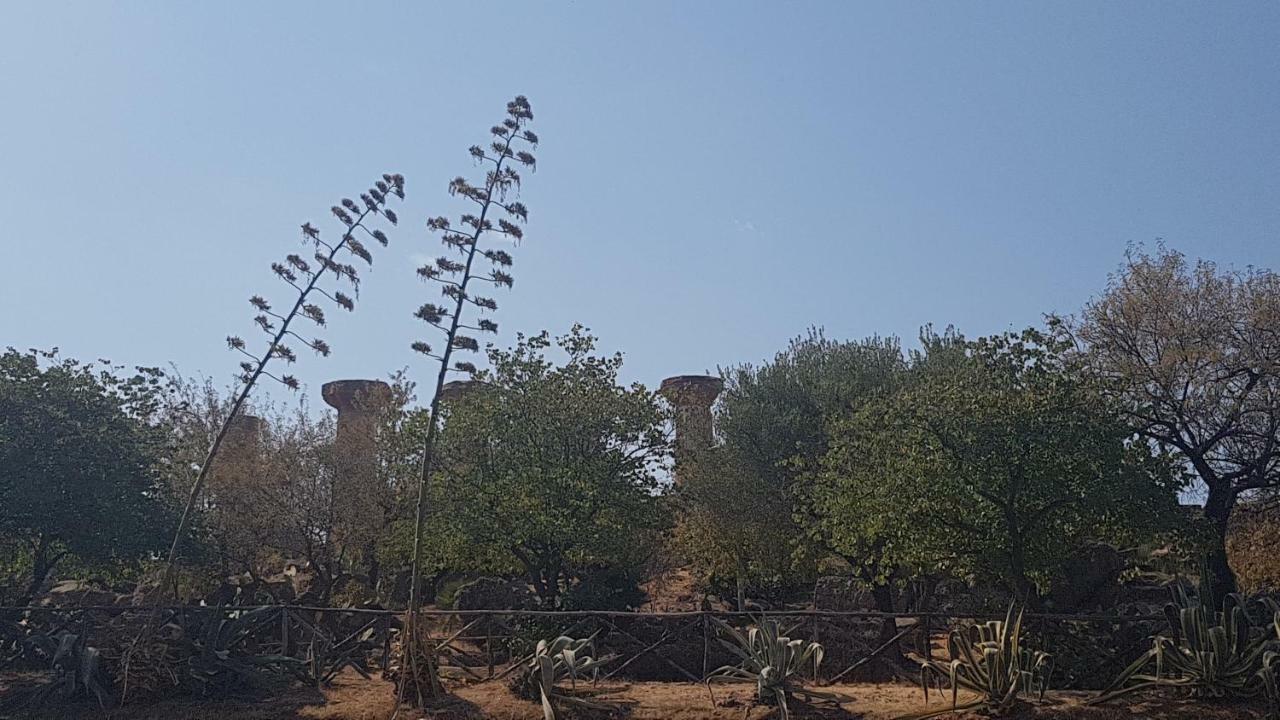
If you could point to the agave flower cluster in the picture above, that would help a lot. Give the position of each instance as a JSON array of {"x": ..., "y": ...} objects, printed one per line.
[
  {"x": 495, "y": 213},
  {"x": 329, "y": 258},
  {"x": 467, "y": 258}
]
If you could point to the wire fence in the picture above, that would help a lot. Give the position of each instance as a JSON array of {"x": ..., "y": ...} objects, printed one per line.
[{"x": 477, "y": 645}]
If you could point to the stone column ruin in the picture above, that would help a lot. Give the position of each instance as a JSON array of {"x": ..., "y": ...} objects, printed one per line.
[
  {"x": 692, "y": 397},
  {"x": 240, "y": 459},
  {"x": 355, "y": 487},
  {"x": 457, "y": 389}
]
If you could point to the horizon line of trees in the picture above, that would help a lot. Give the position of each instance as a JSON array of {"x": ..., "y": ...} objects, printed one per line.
[{"x": 987, "y": 458}]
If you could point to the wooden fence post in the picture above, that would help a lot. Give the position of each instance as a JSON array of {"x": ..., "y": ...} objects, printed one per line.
[
  {"x": 705, "y": 642},
  {"x": 488, "y": 643}
]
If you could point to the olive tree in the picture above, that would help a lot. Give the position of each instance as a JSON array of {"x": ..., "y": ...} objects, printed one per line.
[
  {"x": 551, "y": 470},
  {"x": 1191, "y": 353},
  {"x": 80, "y": 456},
  {"x": 990, "y": 458}
]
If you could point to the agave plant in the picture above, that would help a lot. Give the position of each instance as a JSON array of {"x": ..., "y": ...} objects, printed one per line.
[
  {"x": 556, "y": 661},
  {"x": 1211, "y": 653},
  {"x": 771, "y": 660},
  {"x": 225, "y": 654},
  {"x": 989, "y": 659},
  {"x": 1269, "y": 675},
  {"x": 77, "y": 669}
]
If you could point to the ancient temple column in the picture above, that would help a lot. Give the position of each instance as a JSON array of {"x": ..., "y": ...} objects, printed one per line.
[
  {"x": 239, "y": 460},
  {"x": 457, "y": 389},
  {"x": 692, "y": 397},
  {"x": 357, "y": 494},
  {"x": 244, "y": 438}
]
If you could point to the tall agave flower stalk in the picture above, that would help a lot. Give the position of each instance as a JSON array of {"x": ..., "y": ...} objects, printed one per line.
[
  {"x": 469, "y": 260},
  {"x": 306, "y": 281}
]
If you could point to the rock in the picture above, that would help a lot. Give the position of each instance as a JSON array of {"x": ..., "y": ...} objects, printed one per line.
[
  {"x": 77, "y": 593},
  {"x": 1089, "y": 580},
  {"x": 488, "y": 593},
  {"x": 842, "y": 593}
]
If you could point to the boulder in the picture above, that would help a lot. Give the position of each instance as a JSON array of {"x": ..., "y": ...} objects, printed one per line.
[
  {"x": 842, "y": 593},
  {"x": 1089, "y": 581},
  {"x": 77, "y": 593},
  {"x": 489, "y": 593}
]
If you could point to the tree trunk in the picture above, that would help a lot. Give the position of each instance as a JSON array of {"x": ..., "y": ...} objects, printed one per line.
[
  {"x": 882, "y": 596},
  {"x": 1217, "y": 510},
  {"x": 741, "y": 581},
  {"x": 41, "y": 566}
]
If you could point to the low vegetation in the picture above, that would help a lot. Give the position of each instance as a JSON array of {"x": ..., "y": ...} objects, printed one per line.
[
  {"x": 555, "y": 662},
  {"x": 770, "y": 660},
  {"x": 1212, "y": 652},
  {"x": 993, "y": 661}
]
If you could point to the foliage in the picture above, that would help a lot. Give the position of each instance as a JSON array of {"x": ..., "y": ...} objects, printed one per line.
[
  {"x": 735, "y": 529},
  {"x": 270, "y": 499},
  {"x": 455, "y": 278},
  {"x": 555, "y": 661},
  {"x": 989, "y": 659},
  {"x": 79, "y": 452},
  {"x": 739, "y": 509},
  {"x": 77, "y": 669},
  {"x": 550, "y": 470},
  {"x": 1013, "y": 461},
  {"x": 225, "y": 654},
  {"x": 1188, "y": 352},
  {"x": 1213, "y": 653},
  {"x": 769, "y": 659}
]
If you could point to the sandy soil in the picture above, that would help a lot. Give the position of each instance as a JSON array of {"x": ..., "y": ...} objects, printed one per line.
[{"x": 352, "y": 698}]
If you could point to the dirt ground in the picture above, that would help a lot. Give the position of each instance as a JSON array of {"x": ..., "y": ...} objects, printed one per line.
[{"x": 352, "y": 698}]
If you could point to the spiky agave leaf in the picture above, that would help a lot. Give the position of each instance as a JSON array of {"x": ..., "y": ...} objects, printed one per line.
[
  {"x": 770, "y": 660},
  {"x": 990, "y": 660},
  {"x": 1210, "y": 652},
  {"x": 559, "y": 659}
]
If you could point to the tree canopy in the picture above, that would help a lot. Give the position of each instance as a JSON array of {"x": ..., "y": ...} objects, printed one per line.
[
  {"x": 79, "y": 461},
  {"x": 739, "y": 513},
  {"x": 989, "y": 458},
  {"x": 550, "y": 470},
  {"x": 1191, "y": 353}
]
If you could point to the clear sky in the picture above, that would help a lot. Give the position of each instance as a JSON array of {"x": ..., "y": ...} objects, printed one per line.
[{"x": 713, "y": 177}]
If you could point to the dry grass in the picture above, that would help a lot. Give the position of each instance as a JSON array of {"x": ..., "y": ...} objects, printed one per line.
[{"x": 352, "y": 698}]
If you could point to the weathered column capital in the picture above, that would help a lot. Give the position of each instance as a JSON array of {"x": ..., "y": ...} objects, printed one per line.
[
  {"x": 692, "y": 397},
  {"x": 685, "y": 390},
  {"x": 245, "y": 427},
  {"x": 359, "y": 396},
  {"x": 458, "y": 389}
]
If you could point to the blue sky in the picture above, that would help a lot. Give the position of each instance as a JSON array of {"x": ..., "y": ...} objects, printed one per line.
[{"x": 713, "y": 177}]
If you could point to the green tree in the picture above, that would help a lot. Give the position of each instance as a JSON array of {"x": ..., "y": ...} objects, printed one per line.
[
  {"x": 551, "y": 470},
  {"x": 1191, "y": 354},
  {"x": 79, "y": 458},
  {"x": 772, "y": 424},
  {"x": 991, "y": 459}
]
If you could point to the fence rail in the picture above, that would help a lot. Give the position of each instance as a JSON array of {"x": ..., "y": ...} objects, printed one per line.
[{"x": 477, "y": 645}]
